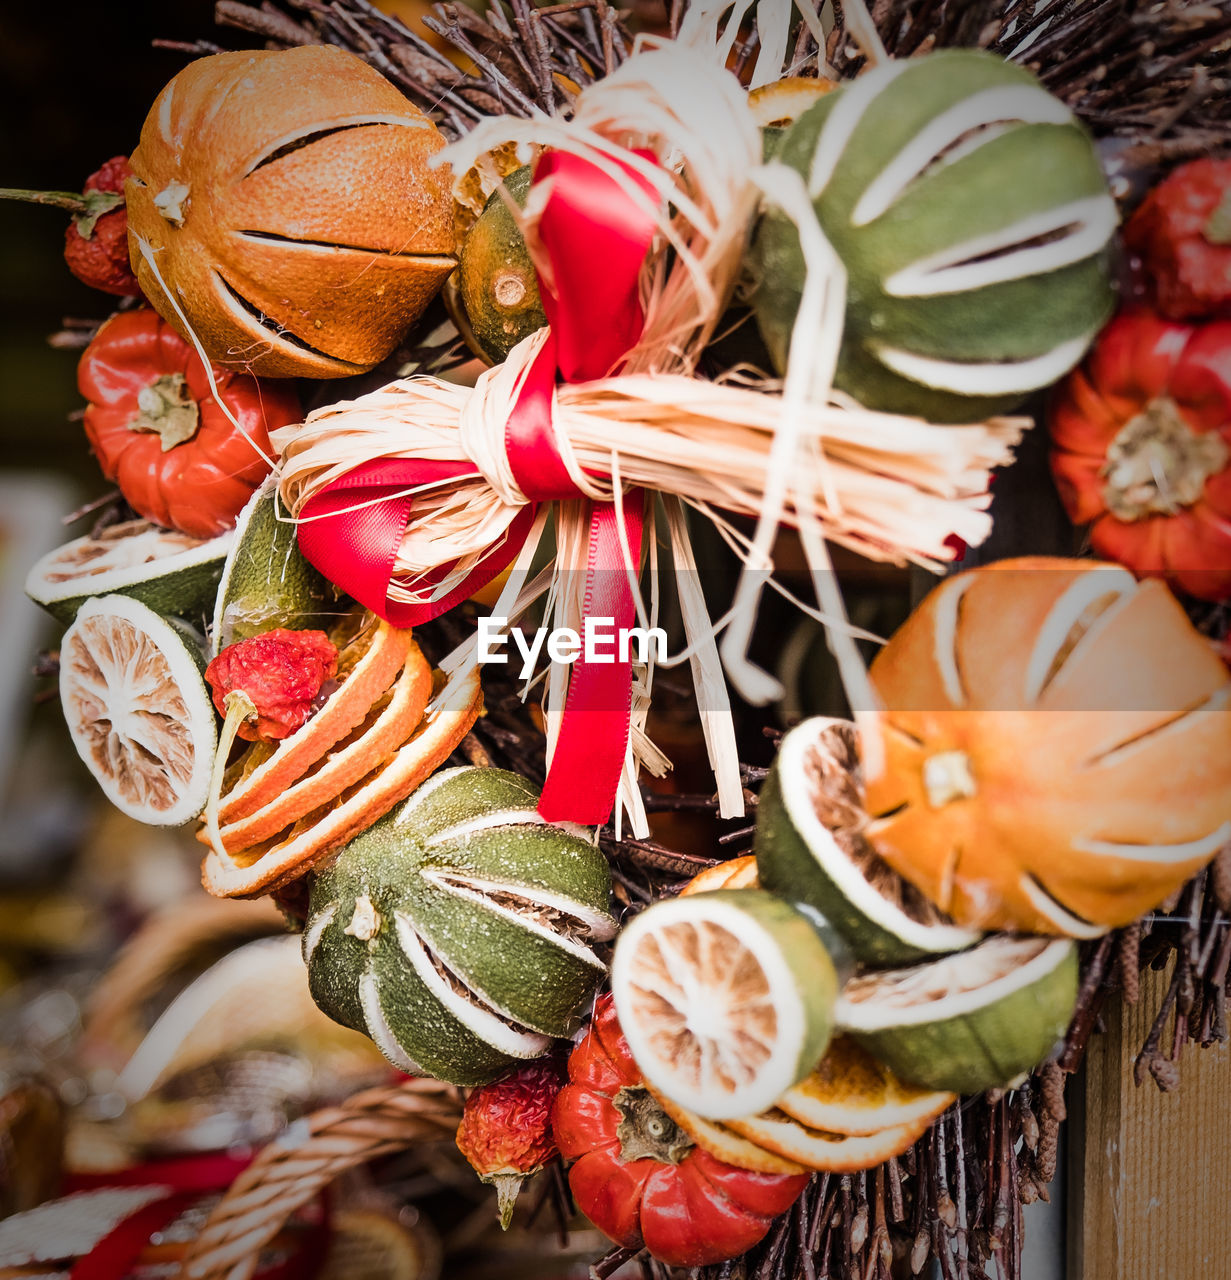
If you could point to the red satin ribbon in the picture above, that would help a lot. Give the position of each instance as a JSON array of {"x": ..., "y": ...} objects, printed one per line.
[{"x": 596, "y": 237}]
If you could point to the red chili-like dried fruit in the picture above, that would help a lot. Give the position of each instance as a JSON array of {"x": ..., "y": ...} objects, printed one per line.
[
  {"x": 280, "y": 672},
  {"x": 96, "y": 241},
  {"x": 96, "y": 245},
  {"x": 1182, "y": 233},
  {"x": 506, "y": 1131}
]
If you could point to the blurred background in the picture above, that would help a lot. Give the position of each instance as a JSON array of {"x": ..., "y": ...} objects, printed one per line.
[{"x": 76, "y": 80}]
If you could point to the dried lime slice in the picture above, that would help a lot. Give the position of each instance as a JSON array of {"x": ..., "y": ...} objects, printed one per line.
[
  {"x": 167, "y": 570},
  {"x": 811, "y": 848},
  {"x": 726, "y": 999},
  {"x": 138, "y": 709},
  {"x": 971, "y": 1021}
]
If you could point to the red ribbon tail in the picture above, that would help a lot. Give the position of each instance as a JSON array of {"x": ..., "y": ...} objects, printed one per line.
[
  {"x": 585, "y": 768},
  {"x": 117, "y": 1252}
]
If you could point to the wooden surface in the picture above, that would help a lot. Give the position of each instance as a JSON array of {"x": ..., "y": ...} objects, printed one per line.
[{"x": 1150, "y": 1173}]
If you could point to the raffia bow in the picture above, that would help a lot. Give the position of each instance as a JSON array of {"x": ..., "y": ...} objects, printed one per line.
[{"x": 435, "y": 479}]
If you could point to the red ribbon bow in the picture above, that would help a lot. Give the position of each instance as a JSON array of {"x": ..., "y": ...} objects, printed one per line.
[{"x": 596, "y": 237}]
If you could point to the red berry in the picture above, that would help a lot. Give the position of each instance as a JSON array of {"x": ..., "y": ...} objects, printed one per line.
[
  {"x": 100, "y": 258},
  {"x": 506, "y": 1132},
  {"x": 110, "y": 176},
  {"x": 281, "y": 672}
]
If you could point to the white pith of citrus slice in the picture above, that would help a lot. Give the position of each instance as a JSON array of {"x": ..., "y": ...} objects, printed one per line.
[
  {"x": 711, "y": 1008},
  {"x": 947, "y": 988},
  {"x": 169, "y": 570},
  {"x": 124, "y": 549},
  {"x": 138, "y": 710}
]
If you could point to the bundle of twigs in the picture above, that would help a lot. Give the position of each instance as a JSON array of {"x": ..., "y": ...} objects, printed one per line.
[
  {"x": 1153, "y": 73},
  {"x": 525, "y": 57}
]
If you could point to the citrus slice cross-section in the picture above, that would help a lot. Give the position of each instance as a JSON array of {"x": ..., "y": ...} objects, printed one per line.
[
  {"x": 169, "y": 571},
  {"x": 390, "y": 722},
  {"x": 830, "y": 1152},
  {"x": 726, "y": 999},
  {"x": 852, "y": 1094},
  {"x": 967, "y": 1022},
  {"x": 138, "y": 710},
  {"x": 810, "y": 847},
  {"x": 738, "y": 873},
  {"x": 851, "y": 1115}
]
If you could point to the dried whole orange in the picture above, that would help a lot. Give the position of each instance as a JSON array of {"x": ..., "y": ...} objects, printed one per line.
[
  {"x": 737, "y": 873},
  {"x": 1057, "y": 747},
  {"x": 287, "y": 201}
]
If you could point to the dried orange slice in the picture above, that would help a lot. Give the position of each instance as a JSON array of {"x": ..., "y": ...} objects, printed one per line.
[
  {"x": 370, "y": 655},
  {"x": 389, "y": 723},
  {"x": 776, "y": 105},
  {"x": 738, "y": 873},
  {"x": 775, "y": 1131},
  {"x": 851, "y": 1093},
  {"x": 849, "y": 1090},
  {"x": 272, "y": 863}
]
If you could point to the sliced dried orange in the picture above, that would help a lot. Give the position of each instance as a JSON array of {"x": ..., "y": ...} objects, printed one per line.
[
  {"x": 850, "y": 1114},
  {"x": 851, "y": 1093},
  {"x": 776, "y": 105},
  {"x": 286, "y": 856},
  {"x": 389, "y": 723},
  {"x": 773, "y": 1142},
  {"x": 775, "y": 1131},
  {"x": 738, "y": 873},
  {"x": 370, "y": 655}
]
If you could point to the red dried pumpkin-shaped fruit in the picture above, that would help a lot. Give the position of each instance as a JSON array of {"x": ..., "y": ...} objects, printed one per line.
[
  {"x": 288, "y": 202},
  {"x": 1057, "y": 747},
  {"x": 166, "y": 434},
  {"x": 643, "y": 1181},
  {"x": 1141, "y": 437}
]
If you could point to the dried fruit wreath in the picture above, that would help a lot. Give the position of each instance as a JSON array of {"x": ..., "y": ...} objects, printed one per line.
[{"x": 781, "y": 265}]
